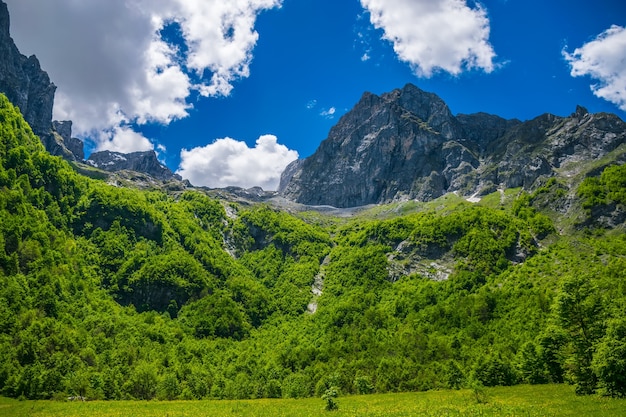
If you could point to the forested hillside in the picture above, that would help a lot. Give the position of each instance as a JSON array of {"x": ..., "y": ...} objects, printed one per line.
[{"x": 113, "y": 293}]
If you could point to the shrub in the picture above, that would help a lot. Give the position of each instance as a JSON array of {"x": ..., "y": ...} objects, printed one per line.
[{"x": 329, "y": 397}]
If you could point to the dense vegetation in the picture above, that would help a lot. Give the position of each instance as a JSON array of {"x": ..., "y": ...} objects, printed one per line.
[{"x": 115, "y": 293}]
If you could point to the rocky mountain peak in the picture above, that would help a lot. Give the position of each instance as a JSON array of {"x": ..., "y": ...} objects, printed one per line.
[
  {"x": 373, "y": 153},
  {"x": 406, "y": 144},
  {"x": 23, "y": 81},
  {"x": 5, "y": 21},
  {"x": 580, "y": 112},
  {"x": 428, "y": 107},
  {"x": 144, "y": 162}
]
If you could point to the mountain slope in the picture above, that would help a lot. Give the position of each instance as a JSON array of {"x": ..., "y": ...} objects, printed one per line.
[
  {"x": 406, "y": 144},
  {"x": 112, "y": 293}
]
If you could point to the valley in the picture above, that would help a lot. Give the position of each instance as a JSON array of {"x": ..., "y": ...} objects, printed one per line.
[
  {"x": 454, "y": 264},
  {"x": 119, "y": 293}
]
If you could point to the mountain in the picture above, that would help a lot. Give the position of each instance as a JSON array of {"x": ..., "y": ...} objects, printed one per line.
[
  {"x": 406, "y": 144},
  {"x": 112, "y": 292},
  {"x": 143, "y": 162},
  {"x": 109, "y": 290},
  {"x": 28, "y": 87}
]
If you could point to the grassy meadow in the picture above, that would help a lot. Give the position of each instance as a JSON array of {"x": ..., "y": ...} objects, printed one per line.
[{"x": 521, "y": 400}]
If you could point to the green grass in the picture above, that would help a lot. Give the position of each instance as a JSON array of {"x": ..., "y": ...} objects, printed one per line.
[
  {"x": 447, "y": 202},
  {"x": 521, "y": 400}
]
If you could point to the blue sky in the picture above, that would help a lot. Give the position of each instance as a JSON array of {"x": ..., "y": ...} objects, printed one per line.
[{"x": 228, "y": 93}]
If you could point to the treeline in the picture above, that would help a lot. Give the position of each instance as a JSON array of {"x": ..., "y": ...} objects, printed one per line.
[{"x": 114, "y": 293}]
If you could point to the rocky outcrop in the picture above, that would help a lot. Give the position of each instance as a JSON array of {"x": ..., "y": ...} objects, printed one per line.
[
  {"x": 60, "y": 142},
  {"x": 28, "y": 87},
  {"x": 406, "y": 144},
  {"x": 23, "y": 81},
  {"x": 144, "y": 162}
]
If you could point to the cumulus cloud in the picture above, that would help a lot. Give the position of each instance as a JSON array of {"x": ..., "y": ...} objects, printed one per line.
[
  {"x": 113, "y": 68},
  {"x": 122, "y": 139},
  {"x": 228, "y": 162},
  {"x": 603, "y": 59},
  {"x": 444, "y": 35}
]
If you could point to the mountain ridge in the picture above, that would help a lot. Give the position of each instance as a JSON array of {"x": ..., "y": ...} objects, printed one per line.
[
  {"x": 406, "y": 144},
  {"x": 146, "y": 162}
]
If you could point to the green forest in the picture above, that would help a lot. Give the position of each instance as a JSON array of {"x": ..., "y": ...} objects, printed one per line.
[{"x": 120, "y": 293}]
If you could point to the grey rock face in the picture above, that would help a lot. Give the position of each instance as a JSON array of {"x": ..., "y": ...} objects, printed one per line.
[
  {"x": 73, "y": 145},
  {"x": 23, "y": 81},
  {"x": 406, "y": 144},
  {"x": 386, "y": 147},
  {"x": 28, "y": 87},
  {"x": 145, "y": 162},
  {"x": 60, "y": 142}
]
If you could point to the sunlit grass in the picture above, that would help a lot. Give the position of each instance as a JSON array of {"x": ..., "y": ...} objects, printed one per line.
[{"x": 523, "y": 400}]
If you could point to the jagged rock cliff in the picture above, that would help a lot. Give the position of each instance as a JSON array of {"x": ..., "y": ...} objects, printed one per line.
[
  {"x": 23, "y": 81},
  {"x": 73, "y": 145},
  {"x": 406, "y": 144},
  {"x": 145, "y": 162},
  {"x": 28, "y": 87},
  {"x": 60, "y": 142}
]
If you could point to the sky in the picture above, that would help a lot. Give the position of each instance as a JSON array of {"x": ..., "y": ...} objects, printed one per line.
[{"x": 230, "y": 92}]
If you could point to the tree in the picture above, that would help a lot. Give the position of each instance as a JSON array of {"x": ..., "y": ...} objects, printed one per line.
[
  {"x": 609, "y": 361},
  {"x": 454, "y": 377},
  {"x": 551, "y": 342},
  {"x": 169, "y": 388},
  {"x": 531, "y": 366},
  {"x": 143, "y": 382},
  {"x": 578, "y": 308},
  {"x": 493, "y": 370}
]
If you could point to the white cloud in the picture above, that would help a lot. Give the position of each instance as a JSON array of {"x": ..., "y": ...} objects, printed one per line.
[
  {"x": 228, "y": 162},
  {"x": 603, "y": 59},
  {"x": 122, "y": 139},
  {"x": 329, "y": 114},
  {"x": 220, "y": 36},
  {"x": 112, "y": 67},
  {"x": 364, "y": 33},
  {"x": 445, "y": 35}
]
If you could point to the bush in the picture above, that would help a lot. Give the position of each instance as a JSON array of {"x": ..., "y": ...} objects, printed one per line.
[
  {"x": 494, "y": 371},
  {"x": 363, "y": 384},
  {"x": 329, "y": 397}
]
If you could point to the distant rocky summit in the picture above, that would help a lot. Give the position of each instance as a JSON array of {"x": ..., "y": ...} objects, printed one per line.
[
  {"x": 28, "y": 87},
  {"x": 406, "y": 144},
  {"x": 145, "y": 162}
]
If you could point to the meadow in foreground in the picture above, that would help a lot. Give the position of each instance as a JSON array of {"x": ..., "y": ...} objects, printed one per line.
[{"x": 521, "y": 400}]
